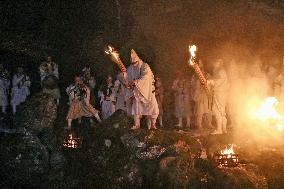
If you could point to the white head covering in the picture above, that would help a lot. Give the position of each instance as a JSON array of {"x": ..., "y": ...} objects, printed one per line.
[{"x": 134, "y": 57}]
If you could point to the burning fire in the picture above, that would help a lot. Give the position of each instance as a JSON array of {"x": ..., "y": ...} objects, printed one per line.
[
  {"x": 192, "y": 50},
  {"x": 228, "y": 151},
  {"x": 111, "y": 51},
  {"x": 267, "y": 113},
  {"x": 228, "y": 157},
  {"x": 72, "y": 142}
]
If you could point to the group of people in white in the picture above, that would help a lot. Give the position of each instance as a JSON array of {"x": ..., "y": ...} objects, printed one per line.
[
  {"x": 139, "y": 93},
  {"x": 133, "y": 91},
  {"x": 17, "y": 91}
]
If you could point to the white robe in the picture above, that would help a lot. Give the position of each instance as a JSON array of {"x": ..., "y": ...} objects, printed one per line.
[
  {"x": 20, "y": 89},
  {"x": 199, "y": 96},
  {"x": 4, "y": 87},
  {"x": 142, "y": 97},
  {"x": 221, "y": 87},
  {"x": 120, "y": 96},
  {"x": 107, "y": 102},
  {"x": 182, "y": 98}
]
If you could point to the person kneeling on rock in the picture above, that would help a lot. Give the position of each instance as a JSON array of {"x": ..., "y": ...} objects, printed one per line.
[{"x": 79, "y": 95}]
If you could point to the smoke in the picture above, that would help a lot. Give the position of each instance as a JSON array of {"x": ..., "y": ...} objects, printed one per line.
[{"x": 248, "y": 35}]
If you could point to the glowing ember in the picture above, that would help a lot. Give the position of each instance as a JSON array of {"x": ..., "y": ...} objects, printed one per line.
[
  {"x": 268, "y": 114},
  {"x": 227, "y": 157},
  {"x": 72, "y": 142}
]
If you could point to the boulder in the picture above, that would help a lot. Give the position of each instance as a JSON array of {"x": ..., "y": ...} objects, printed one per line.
[
  {"x": 24, "y": 159},
  {"x": 36, "y": 113}
]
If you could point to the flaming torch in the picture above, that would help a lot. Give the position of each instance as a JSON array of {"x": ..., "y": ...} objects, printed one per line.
[
  {"x": 192, "y": 62},
  {"x": 115, "y": 57}
]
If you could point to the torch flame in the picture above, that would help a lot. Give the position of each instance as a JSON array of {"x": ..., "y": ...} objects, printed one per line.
[
  {"x": 111, "y": 51},
  {"x": 192, "y": 50}
]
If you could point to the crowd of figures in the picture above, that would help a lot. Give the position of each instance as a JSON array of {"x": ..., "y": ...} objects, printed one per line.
[
  {"x": 15, "y": 92},
  {"x": 139, "y": 93}
]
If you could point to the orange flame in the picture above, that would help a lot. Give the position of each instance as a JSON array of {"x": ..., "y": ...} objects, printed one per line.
[
  {"x": 71, "y": 142},
  {"x": 111, "y": 51},
  {"x": 192, "y": 50},
  {"x": 267, "y": 112},
  {"x": 228, "y": 151}
]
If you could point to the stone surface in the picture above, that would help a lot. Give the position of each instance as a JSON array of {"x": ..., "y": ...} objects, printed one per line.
[{"x": 23, "y": 160}]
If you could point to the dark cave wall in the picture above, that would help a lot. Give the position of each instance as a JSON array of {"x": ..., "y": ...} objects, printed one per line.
[{"x": 75, "y": 33}]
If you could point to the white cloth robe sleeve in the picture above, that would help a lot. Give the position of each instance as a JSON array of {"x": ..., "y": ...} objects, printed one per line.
[{"x": 145, "y": 102}]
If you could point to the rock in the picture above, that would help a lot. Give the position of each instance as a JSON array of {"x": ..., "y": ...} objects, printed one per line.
[
  {"x": 165, "y": 163},
  {"x": 153, "y": 152},
  {"x": 37, "y": 113},
  {"x": 57, "y": 160},
  {"x": 107, "y": 143},
  {"x": 131, "y": 174},
  {"x": 23, "y": 160},
  {"x": 244, "y": 176},
  {"x": 131, "y": 142},
  {"x": 48, "y": 139}
]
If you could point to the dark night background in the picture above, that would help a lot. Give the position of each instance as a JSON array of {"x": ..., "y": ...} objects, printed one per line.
[{"x": 76, "y": 32}]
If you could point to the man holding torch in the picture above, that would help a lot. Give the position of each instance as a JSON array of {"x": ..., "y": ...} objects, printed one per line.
[
  {"x": 219, "y": 82},
  {"x": 141, "y": 96},
  {"x": 220, "y": 85},
  {"x": 138, "y": 80}
]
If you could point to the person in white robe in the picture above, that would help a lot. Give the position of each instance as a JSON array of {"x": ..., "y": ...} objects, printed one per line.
[
  {"x": 4, "y": 88},
  {"x": 107, "y": 99},
  {"x": 181, "y": 88},
  {"x": 220, "y": 88},
  {"x": 140, "y": 95},
  {"x": 202, "y": 102},
  {"x": 20, "y": 90},
  {"x": 119, "y": 95},
  {"x": 49, "y": 78}
]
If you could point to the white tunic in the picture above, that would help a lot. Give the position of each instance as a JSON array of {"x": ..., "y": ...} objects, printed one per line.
[
  {"x": 221, "y": 87},
  {"x": 182, "y": 97},
  {"x": 199, "y": 96},
  {"x": 120, "y": 96},
  {"x": 107, "y": 102},
  {"x": 4, "y": 87},
  {"x": 143, "y": 100},
  {"x": 20, "y": 90}
]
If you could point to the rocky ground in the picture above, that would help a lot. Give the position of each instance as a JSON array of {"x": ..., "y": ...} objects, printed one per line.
[{"x": 113, "y": 156}]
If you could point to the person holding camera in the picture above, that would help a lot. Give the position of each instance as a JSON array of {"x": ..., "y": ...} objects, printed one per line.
[{"x": 79, "y": 95}]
